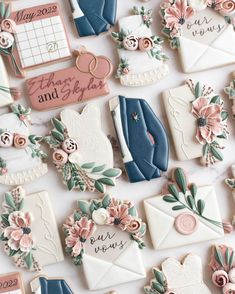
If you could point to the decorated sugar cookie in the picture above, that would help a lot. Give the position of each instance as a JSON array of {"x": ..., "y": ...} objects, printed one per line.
[
  {"x": 88, "y": 79},
  {"x": 231, "y": 183},
  {"x": 175, "y": 277},
  {"x": 230, "y": 90},
  {"x": 198, "y": 122},
  {"x": 105, "y": 236},
  {"x": 11, "y": 284},
  {"x": 94, "y": 17},
  {"x": 21, "y": 156},
  {"x": 142, "y": 138},
  {"x": 29, "y": 231},
  {"x": 190, "y": 214},
  {"x": 142, "y": 60},
  {"x": 222, "y": 264},
  {"x": 82, "y": 152},
  {"x": 44, "y": 285},
  {"x": 202, "y": 31}
]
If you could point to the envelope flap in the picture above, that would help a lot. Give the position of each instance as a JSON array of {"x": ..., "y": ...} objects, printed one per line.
[{"x": 228, "y": 38}]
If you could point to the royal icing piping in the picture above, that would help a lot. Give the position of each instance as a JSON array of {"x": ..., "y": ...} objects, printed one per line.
[{"x": 230, "y": 91}]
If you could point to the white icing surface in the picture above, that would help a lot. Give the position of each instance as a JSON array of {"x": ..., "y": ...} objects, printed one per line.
[
  {"x": 63, "y": 201},
  {"x": 5, "y": 97}
]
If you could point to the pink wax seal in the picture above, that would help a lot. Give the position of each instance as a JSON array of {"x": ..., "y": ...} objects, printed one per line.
[{"x": 186, "y": 223}]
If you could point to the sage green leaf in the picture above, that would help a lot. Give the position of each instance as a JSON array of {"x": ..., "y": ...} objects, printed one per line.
[
  {"x": 98, "y": 169},
  {"x": 111, "y": 173},
  {"x": 193, "y": 190},
  {"x": 88, "y": 165},
  {"x": 92, "y": 207},
  {"x": 2, "y": 238},
  {"x": 230, "y": 183},
  {"x": 216, "y": 153},
  {"x": 180, "y": 178},
  {"x": 231, "y": 260},
  {"x": 149, "y": 290},
  {"x": 222, "y": 136},
  {"x": 4, "y": 219},
  {"x": 106, "y": 201},
  {"x": 169, "y": 199},
  {"x": 71, "y": 183},
  {"x": 219, "y": 256},
  {"x": 7, "y": 11},
  {"x": 10, "y": 201},
  {"x": 174, "y": 191},
  {"x": 178, "y": 207},
  {"x": 190, "y": 201},
  {"x": 99, "y": 186},
  {"x": 77, "y": 216},
  {"x": 159, "y": 276},
  {"x": 215, "y": 99},
  {"x": 205, "y": 149},
  {"x": 83, "y": 206},
  {"x": 13, "y": 252},
  {"x": 224, "y": 115},
  {"x": 58, "y": 125},
  {"x": 2, "y": 9},
  {"x": 132, "y": 211},
  {"x": 227, "y": 256},
  {"x": 200, "y": 206},
  {"x": 198, "y": 90},
  {"x": 107, "y": 181},
  {"x": 21, "y": 204},
  {"x": 57, "y": 135},
  {"x": 158, "y": 287},
  {"x": 29, "y": 260}
]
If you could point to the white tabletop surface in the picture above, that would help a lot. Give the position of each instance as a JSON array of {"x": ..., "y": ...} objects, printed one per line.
[{"x": 64, "y": 201}]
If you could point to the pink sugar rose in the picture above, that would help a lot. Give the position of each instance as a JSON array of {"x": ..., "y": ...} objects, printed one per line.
[
  {"x": 119, "y": 216},
  {"x": 229, "y": 288},
  {"x": 19, "y": 232},
  {"x": 220, "y": 278},
  {"x": 226, "y": 7},
  {"x": 20, "y": 141},
  {"x": 209, "y": 120},
  {"x": 134, "y": 225},
  {"x": 145, "y": 44},
  {"x": 8, "y": 25},
  {"x": 60, "y": 157}
]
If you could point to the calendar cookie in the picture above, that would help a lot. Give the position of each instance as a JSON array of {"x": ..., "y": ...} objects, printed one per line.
[
  {"x": 142, "y": 138},
  {"x": 29, "y": 231},
  {"x": 40, "y": 36},
  {"x": 105, "y": 235},
  {"x": 11, "y": 284},
  {"x": 21, "y": 156},
  {"x": 44, "y": 285},
  {"x": 198, "y": 122},
  {"x": 202, "y": 31},
  {"x": 230, "y": 91},
  {"x": 82, "y": 152},
  {"x": 190, "y": 213},
  {"x": 178, "y": 277},
  {"x": 142, "y": 60},
  {"x": 222, "y": 264},
  {"x": 87, "y": 79}
]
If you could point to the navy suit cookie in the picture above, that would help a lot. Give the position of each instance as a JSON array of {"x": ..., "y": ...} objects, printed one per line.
[
  {"x": 45, "y": 285},
  {"x": 142, "y": 138},
  {"x": 93, "y": 17}
]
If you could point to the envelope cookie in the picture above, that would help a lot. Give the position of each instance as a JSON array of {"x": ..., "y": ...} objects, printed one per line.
[
  {"x": 176, "y": 277},
  {"x": 142, "y": 138},
  {"x": 11, "y": 284},
  {"x": 222, "y": 264},
  {"x": 29, "y": 230},
  {"x": 202, "y": 31},
  {"x": 93, "y": 17},
  {"x": 44, "y": 285},
  {"x": 82, "y": 152},
  {"x": 230, "y": 91},
  {"x": 21, "y": 157},
  {"x": 105, "y": 236},
  {"x": 198, "y": 122},
  {"x": 183, "y": 214},
  {"x": 142, "y": 60}
]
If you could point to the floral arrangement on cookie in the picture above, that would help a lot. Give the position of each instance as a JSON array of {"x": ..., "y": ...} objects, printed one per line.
[
  {"x": 211, "y": 121},
  {"x": 80, "y": 226},
  {"x": 7, "y": 38},
  {"x": 88, "y": 176},
  {"x": 128, "y": 41},
  {"x": 184, "y": 196},
  {"x": 230, "y": 91},
  {"x": 158, "y": 285},
  {"x": 175, "y": 13},
  {"x": 19, "y": 141},
  {"x": 222, "y": 264},
  {"x": 16, "y": 230}
]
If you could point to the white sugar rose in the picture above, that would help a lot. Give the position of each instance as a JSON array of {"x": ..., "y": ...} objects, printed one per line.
[
  {"x": 231, "y": 275},
  {"x": 100, "y": 216},
  {"x": 6, "y": 40},
  {"x": 198, "y": 4},
  {"x": 229, "y": 288}
]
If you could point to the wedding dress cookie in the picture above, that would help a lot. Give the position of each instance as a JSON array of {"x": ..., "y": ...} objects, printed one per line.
[
  {"x": 203, "y": 31},
  {"x": 183, "y": 214},
  {"x": 142, "y": 61},
  {"x": 198, "y": 122},
  {"x": 105, "y": 236},
  {"x": 82, "y": 152},
  {"x": 21, "y": 159},
  {"x": 29, "y": 230},
  {"x": 178, "y": 278}
]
